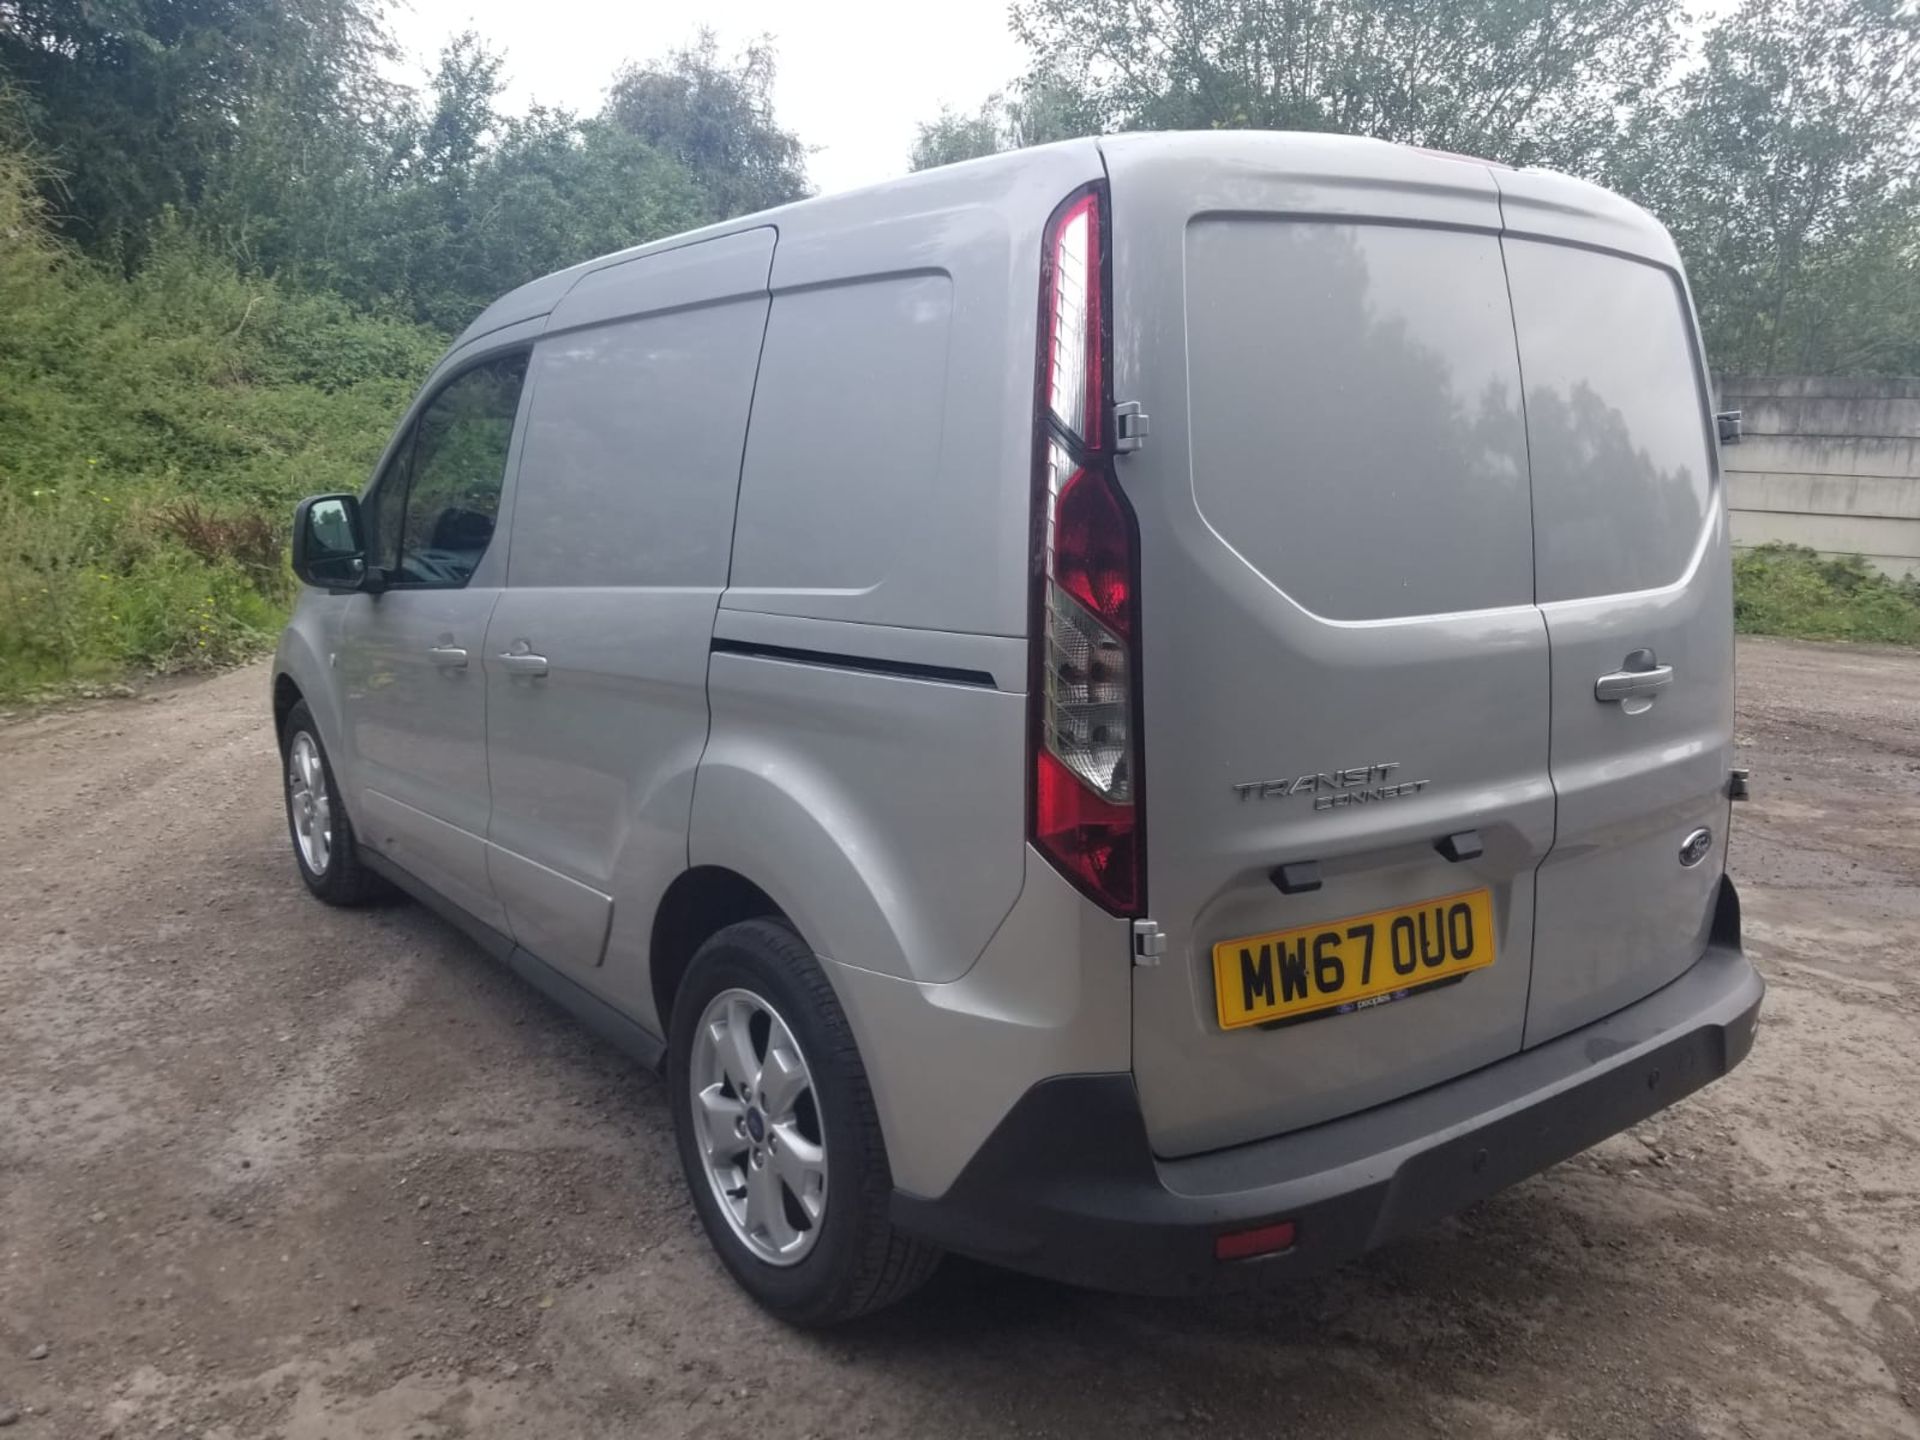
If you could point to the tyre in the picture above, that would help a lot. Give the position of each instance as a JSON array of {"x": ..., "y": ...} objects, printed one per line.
[
  {"x": 322, "y": 835},
  {"x": 778, "y": 1135}
]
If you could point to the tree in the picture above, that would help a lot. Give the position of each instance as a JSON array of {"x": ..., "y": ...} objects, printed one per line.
[
  {"x": 953, "y": 136},
  {"x": 143, "y": 104},
  {"x": 1787, "y": 165},
  {"x": 1040, "y": 108},
  {"x": 716, "y": 120},
  {"x": 465, "y": 203},
  {"x": 1517, "y": 80}
]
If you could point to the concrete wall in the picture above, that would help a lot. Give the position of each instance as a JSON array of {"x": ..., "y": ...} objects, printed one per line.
[{"x": 1834, "y": 464}]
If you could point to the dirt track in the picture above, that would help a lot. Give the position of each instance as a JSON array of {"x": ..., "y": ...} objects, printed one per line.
[{"x": 269, "y": 1169}]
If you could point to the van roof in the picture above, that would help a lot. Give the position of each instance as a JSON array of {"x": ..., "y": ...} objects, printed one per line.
[{"x": 995, "y": 177}]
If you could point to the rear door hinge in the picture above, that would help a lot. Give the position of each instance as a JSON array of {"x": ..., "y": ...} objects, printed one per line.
[
  {"x": 1737, "y": 787},
  {"x": 1149, "y": 942},
  {"x": 1130, "y": 426}
]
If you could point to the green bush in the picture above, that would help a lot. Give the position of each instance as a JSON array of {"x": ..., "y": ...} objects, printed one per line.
[
  {"x": 1791, "y": 590},
  {"x": 155, "y": 431}
]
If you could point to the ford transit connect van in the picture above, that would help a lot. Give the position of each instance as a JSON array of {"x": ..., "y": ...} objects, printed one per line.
[{"x": 1156, "y": 711}]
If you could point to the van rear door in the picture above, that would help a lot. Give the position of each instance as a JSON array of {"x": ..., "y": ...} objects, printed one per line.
[
  {"x": 1343, "y": 668},
  {"x": 1635, "y": 583}
]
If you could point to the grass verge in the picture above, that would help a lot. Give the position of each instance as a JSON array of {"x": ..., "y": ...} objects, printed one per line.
[{"x": 1791, "y": 590}]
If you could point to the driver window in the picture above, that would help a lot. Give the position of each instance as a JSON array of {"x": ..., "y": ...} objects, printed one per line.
[
  {"x": 382, "y": 508},
  {"x": 459, "y": 462}
]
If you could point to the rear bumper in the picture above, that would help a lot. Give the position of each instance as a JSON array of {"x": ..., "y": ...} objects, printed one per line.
[{"x": 1068, "y": 1187}]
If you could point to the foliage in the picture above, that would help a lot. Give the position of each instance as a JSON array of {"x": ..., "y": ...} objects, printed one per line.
[
  {"x": 149, "y": 102},
  {"x": 716, "y": 120},
  {"x": 448, "y": 203},
  {"x": 1787, "y": 165},
  {"x": 1039, "y": 109},
  {"x": 229, "y": 250},
  {"x": 1791, "y": 590},
  {"x": 1519, "y": 80},
  {"x": 154, "y": 432},
  {"x": 467, "y": 203}
]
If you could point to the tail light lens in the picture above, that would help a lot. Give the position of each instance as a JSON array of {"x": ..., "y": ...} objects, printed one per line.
[{"x": 1084, "y": 736}]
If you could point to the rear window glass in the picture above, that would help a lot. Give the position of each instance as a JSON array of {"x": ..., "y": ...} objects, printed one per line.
[
  {"x": 1614, "y": 417},
  {"x": 1355, "y": 407}
]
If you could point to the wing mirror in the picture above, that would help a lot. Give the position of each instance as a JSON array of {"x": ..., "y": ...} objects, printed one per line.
[
  {"x": 330, "y": 547},
  {"x": 1727, "y": 422}
]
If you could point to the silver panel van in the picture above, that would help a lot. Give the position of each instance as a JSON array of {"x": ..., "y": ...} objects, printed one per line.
[{"x": 1154, "y": 710}]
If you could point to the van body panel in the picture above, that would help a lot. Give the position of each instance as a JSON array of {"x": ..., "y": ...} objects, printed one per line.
[
  {"x": 450, "y": 858},
  {"x": 730, "y": 267},
  {"x": 1635, "y": 573},
  {"x": 998, "y": 660},
  {"x": 622, "y": 527},
  {"x": 1048, "y": 996},
  {"x": 885, "y": 815},
  {"x": 560, "y": 920},
  {"x": 1543, "y": 205},
  {"x": 872, "y": 426},
  {"x": 896, "y": 391},
  {"x": 1275, "y": 302}
]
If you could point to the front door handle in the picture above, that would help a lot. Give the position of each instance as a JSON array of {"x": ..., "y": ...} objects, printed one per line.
[
  {"x": 1641, "y": 679},
  {"x": 523, "y": 662},
  {"x": 448, "y": 657}
]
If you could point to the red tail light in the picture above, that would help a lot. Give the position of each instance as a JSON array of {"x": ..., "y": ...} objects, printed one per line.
[{"x": 1084, "y": 738}]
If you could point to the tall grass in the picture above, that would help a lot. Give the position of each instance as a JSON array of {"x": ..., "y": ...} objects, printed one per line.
[{"x": 154, "y": 434}]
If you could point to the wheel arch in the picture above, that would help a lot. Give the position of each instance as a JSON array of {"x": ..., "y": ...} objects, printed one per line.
[
  {"x": 699, "y": 903},
  {"x": 301, "y": 672},
  {"x": 286, "y": 695}
]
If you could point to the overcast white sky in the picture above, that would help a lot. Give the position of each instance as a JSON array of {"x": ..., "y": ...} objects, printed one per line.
[{"x": 855, "y": 76}]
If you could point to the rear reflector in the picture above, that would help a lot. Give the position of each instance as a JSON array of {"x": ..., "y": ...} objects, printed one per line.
[{"x": 1245, "y": 1244}]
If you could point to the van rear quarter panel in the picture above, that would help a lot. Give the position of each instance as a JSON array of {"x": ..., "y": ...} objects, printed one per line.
[
  {"x": 885, "y": 514},
  {"x": 889, "y": 468}
]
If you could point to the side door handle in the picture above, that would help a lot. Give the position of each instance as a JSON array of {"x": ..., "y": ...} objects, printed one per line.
[
  {"x": 522, "y": 661},
  {"x": 1641, "y": 679},
  {"x": 448, "y": 657}
]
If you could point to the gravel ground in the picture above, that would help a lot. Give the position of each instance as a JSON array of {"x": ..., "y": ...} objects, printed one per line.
[{"x": 272, "y": 1170}]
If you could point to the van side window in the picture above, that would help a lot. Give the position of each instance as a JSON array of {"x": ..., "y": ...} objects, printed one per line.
[
  {"x": 1616, "y": 420},
  {"x": 458, "y": 466},
  {"x": 385, "y": 505}
]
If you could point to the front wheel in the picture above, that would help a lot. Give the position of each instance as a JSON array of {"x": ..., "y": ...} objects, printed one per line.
[
  {"x": 323, "y": 841},
  {"x": 778, "y": 1135}
]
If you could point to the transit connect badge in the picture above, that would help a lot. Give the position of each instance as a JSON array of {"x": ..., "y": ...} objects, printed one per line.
[{"x": 1331, "y": 790}]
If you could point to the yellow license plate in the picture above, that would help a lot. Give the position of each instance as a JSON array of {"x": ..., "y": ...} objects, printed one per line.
[{"x": 1343, "y": 962}]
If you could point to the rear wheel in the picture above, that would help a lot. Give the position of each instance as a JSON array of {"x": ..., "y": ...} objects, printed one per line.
[
  {"x": 323, "y": 841},
  {"x": 778, "y": 1135}
]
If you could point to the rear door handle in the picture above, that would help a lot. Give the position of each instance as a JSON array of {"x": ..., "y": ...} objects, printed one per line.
[
  {"x": 448, "y": 657},
  {"x": 1630, "y": 684},
  {"x": 521, "y": 662}
]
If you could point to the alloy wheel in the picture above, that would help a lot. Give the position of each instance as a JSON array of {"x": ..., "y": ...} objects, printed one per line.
[{"x": 757, "y": 1121}]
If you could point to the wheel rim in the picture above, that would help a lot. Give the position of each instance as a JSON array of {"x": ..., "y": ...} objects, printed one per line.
[
  {"x": 309, "y": 804},
  {"x": 757, "y": 1123}
]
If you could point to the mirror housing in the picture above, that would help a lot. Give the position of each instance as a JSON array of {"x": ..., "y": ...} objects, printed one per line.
[
  {"x": 1727, "y": 425},
  {"x": 329, "y": 545}
]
